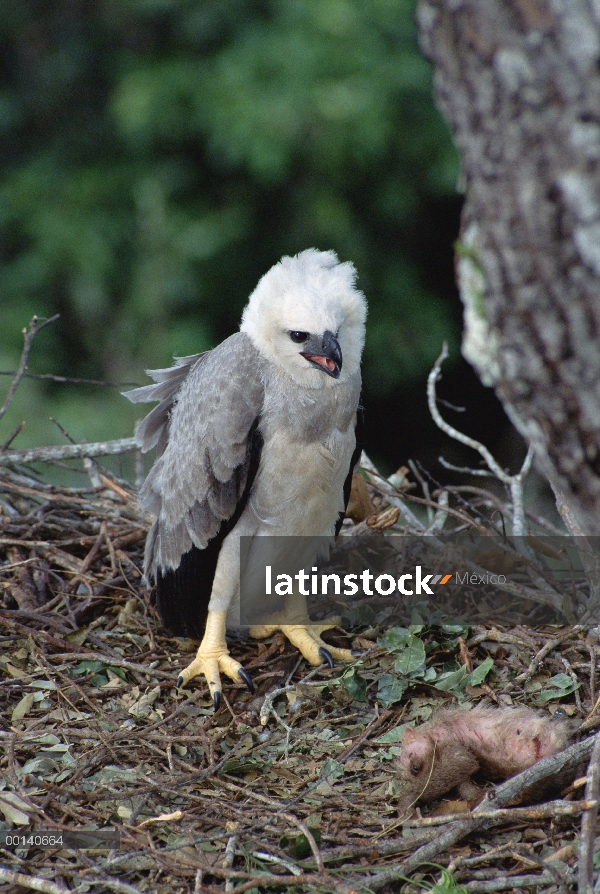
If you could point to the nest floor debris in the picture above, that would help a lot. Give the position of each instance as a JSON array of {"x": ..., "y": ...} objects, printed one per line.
[{"x": 289, "y": 788}]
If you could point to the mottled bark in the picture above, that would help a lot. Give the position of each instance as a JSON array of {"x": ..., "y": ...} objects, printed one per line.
[{"x": 519, "y": 83}]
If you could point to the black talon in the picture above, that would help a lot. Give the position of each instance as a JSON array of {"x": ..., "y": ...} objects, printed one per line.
[
  {"x": 326, "y": 656},
  {"x": 217, "y": 699},
  {"x": 179, "y": 683},
  {"x": 246, "y": 678}
]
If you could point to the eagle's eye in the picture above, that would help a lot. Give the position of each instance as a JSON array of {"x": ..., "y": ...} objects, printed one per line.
[{"x": 298, "y": 337}]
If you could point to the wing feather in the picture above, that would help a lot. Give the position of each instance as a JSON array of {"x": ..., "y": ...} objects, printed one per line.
[
  {"x": 205, "y": 423},
  {"x": 153, "y": 430}
]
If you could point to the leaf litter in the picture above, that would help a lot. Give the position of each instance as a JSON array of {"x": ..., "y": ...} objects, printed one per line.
[{"x": 290, "y": 788}]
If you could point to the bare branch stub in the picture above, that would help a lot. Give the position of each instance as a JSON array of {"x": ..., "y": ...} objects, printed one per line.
[
  {"x": 68, "y": 380},
  {"x": 68, "y": 451},
  {"x": 28, "y": 335},
  {"x": 588, "y": 822},
  {"x": 514, "y": 482},
  {"x": 17, "y": 431}
]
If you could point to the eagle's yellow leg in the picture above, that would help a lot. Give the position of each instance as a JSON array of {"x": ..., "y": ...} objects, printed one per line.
[{"x": 213, "y": 659}]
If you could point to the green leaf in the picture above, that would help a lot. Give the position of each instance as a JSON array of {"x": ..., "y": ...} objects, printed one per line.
[
  {"x": 332, "y": 769},
  {"x": 394, "y": 735},
  {"x": 558, "y": 686},
  {"x": 394, "y": 639},
  {"x": 447, "y": 885},
  {"x": 355, "y": 685},
  {"x": 302, "y": 848},
  {"x": 241, "y": 766},
  {"x": 411, "y": 659},
  {"x": 118, "y": 671},
  {"x": 390, "y": 690},
  {"x": 452, "y": 681},
  {"x": 91, "y": 667},
  {"x": 478, "y": 674}
]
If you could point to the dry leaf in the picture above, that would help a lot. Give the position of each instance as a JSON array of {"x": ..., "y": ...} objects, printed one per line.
[
  {"x": 22, "y": 708},
  {"x": 13, "y": 807}
]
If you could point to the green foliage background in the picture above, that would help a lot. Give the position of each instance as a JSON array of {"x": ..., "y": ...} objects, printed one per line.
[{"x": 158, "y": 156}]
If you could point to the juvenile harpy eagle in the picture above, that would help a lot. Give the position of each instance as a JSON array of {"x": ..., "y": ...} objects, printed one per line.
[{"x": 255, "y": 437}]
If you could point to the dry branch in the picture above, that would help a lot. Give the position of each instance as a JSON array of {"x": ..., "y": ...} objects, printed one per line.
[
  {"x": 68, "y": 451},
  {"x": 588, "y": 823},
  {"x": 28, "y": 336}
]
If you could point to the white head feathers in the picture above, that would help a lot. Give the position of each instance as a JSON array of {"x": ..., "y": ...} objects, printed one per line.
[{"x": 310, "y": 293}]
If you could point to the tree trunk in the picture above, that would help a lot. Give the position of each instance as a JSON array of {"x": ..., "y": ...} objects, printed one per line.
[{"x": 519, "y": 83}]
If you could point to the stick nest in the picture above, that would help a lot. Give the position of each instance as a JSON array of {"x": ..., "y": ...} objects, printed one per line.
[{"x": 289, "y": 788}]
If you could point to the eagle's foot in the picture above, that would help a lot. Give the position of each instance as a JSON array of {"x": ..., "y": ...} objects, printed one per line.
[
  {"x": 213, "y": 659},
  {"x": 307, "y": 639}
]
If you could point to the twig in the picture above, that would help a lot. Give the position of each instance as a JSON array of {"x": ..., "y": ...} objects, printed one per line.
[
  {"x": 383, "y": 485},
  {"x": 508, "y": 815},
  {"x": 267, "y": 706},
  {"x": 228, "y": 861},
  {"x": 441, "y": 515},
  {"x": 545, "y": 650},
  {"x": 461, "y": 516},
  {"x": 448, "y": 429},
  {"x": 588, "y": 823},
  {"x": 112, "y": 883},
  {"x": 464, "y": 470},
  {"x": 255, "y": 880},
  {"x": 12, "y": 436},
  {"x": 424, "y": 487},
  {"x": 28, "y": 336},
  {"x": 514, "y": 482},
  {"x": 518, "y": 882},
  {"x": 67, "y": 380},
  {"x": 69, "y": 451},
  {"x": 271, "y": 858},
  {"x": 309, "y": 837},
  {"x": 33, "y": 882}
]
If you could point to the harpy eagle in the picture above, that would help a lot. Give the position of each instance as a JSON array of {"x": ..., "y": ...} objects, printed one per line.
[{"x": 253, "y": 438}]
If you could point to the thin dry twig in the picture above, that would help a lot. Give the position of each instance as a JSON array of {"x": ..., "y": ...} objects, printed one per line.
[
  {"x": 69, "y": 380},
  {"x": 32, "y": 882},
  {"x": 588, "y": 822},
  {"x": 28, "y": 336},
  {"x": 17, "y": 431},
  {"x": 68, "y": 451},
  {"x": 514, "y": 482}
]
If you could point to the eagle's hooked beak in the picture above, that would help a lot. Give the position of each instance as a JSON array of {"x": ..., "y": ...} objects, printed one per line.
[{"x": 327, "y": 356}]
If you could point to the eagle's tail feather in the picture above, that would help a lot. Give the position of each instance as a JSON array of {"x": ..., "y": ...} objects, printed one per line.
[{"x": 183, "y": 593}]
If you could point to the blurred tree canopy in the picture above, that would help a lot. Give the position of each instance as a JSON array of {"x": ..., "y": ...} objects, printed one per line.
[{"x": 158, "y": 156}]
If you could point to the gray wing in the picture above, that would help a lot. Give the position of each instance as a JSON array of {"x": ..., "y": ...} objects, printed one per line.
[
  {"x": 208, "y": 410},
  {"x": 153, "y": 431}
]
